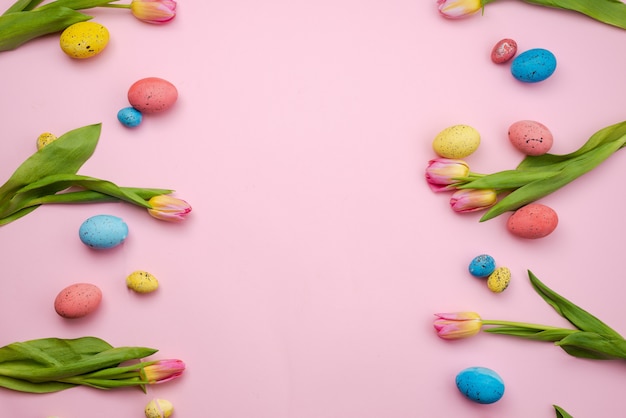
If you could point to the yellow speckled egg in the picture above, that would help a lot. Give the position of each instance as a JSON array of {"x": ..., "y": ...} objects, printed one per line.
[
  {"x": 44, "y": 139},
  {"x": 159, "y": 408},
  {"x": 499, "y": 280},
  {"x": 84, "y": 39},
  {"x": 142, "y": 282},
  {"x": 456, "y": 141}
]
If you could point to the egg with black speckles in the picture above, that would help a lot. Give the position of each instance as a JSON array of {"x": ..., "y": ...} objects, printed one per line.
[
  {"x": 482, "y": 265},
  {"x": 129, "y": 117},
  {"x": 457, "y": 141},
  {"x": 78, "y": 300},
  {"x": 142, "y": 282},
  {"x": 499, "y": 279},
  {"x": 533, "y": 221},
  {"x": 531, "y": 137},
  {"x": 480, "y": 384},
  {"x": 152, "y": 95},
  {"x": 44, "y": 139},
  {"x": 534, "y": 65},
  {"x": 159, "y": 408},
  {"x": 103, "y": 231},
  {"x": 84, "y": 39}
]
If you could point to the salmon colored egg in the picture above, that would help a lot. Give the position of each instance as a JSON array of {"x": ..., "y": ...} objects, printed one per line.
[{"x": 152, "y": 95}]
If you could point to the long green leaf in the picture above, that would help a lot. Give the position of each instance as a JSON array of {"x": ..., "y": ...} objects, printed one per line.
[
  {"x": 63, "y": 156},
  {"x": 21, "y": 5},
  {"x": 593, "y": 346},
  {"x": 20, "y": 27},
  {"x": 612, "y": 12},
  {"x": 561, "y": 413},
  {"x": 577, "y": 316},
  {"x": 77, "y": 4},
  {"x": 30, "y": 387}
]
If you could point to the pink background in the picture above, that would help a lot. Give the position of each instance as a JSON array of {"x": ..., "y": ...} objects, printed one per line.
[{"x": 304, "y": 283}]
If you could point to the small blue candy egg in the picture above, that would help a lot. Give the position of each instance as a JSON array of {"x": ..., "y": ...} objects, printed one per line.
[
  {"x": 480, "y": 384},
  {"x": 482, "y": 265},
  {"x": 533, "y": 65},
  {"x": 103, "y": 231},
  {"x": 129, "y": 117}
]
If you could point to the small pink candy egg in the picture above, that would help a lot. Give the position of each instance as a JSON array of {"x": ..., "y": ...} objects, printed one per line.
[
  {"x": 503, "y": 51},
  {"x": 530, "y": 137},
  {"x": 533, "y": 221},
  {"x": 152, "y": 95},
  {"x": 78, "y": 300}
]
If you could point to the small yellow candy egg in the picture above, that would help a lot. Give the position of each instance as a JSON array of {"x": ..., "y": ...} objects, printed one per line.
[
  {"x": 142, "y": 282},
  {"x": 44, "y": 139},
  {"x": 456, "y": 141},
  {"x": 499, "y": 279},
  {"x": 159, "y": 408},
  {"x": 84, "y": 39}
]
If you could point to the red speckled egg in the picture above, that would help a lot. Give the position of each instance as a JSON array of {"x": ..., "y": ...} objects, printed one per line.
[
  {"x": 503, "y": 51},
  {"x": 78, "y": 300},
  {"x": 530, "y": 137},
  {"x": 152, "y": 95},
  {"x": 533, "y": 221}
]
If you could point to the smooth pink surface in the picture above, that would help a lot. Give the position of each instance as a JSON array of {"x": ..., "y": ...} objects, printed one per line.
[{"x": 305, "y": 282}]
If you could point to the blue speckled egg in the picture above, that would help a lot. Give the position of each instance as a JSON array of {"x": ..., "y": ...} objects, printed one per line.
[
  {"x": 533, "y": 65},
  {"x": 103, "y": 231},
  {"x": 480, "y": 384},
  {"x": 129, "y": 117},
  {"x": 482, "y": 265}
]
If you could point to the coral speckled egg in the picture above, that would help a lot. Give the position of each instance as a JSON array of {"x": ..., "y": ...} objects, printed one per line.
[
  {"x": 503, "y": 51},
  {"x": 534, "y": 65},
  {"x": 456, "y": 141},
  {"x": 499, "y": 280},
  {"x": 84, "y": 39},
  {"x": 142, "y": 282},
  {"x": 533, "y": 221},
  {"x": 152, "y": 95},
  {"x": 530, "y": 137},
  {"x": 78, "y": 300},
  {"x": 480, "y": 384},
  {"x": 103, "y": 231}
]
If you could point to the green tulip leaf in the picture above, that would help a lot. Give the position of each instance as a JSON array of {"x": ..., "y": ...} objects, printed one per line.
[{"x": 560, "y": 412}]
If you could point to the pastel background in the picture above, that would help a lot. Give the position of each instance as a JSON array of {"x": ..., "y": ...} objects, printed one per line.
[{"x": 304, "y": 283}]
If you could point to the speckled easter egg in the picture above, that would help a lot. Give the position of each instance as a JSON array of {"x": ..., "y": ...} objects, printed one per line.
[
  {"x": 534, "y": 65},
  {"x": 142, "y": 282},
  {"x": 152, "y": 95},
  {"x": 480, "y": 384},
  {"x": 533, "y": 221},
  {"x": 159, "y": 408},
  {"x": 503, "y": 51},
  {"x": 499, "y": 280},
  {"x": 482, "y": 265},
  {"x": 129, "y": 117},
  {"x": 456, "y": 141},
  {"x": 78, "y": 300},
  {"x": 44, "y": 139},
  {"x": 530, "y": 137},
  {"x": 103, "y": 231},
  {"x": 84, "y": 39}
]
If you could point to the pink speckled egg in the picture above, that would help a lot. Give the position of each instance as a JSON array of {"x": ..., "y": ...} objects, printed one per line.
[
  {"x": 530, "y": 137},
  {"x": 78, "y": 300},
  {"x": 503, "y": 51},
  {"x": 532, "y": 221},
  {"x": 152, "y": 95}
]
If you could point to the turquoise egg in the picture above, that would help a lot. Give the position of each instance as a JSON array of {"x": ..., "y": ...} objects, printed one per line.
[
  {"x": 129, "y": 117},
  {"x": 482, "y": 265},
  {"x": 103, "y": 231},
  {"x": 533, "y": 65},
  {"x": 480, "y": 384}
]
